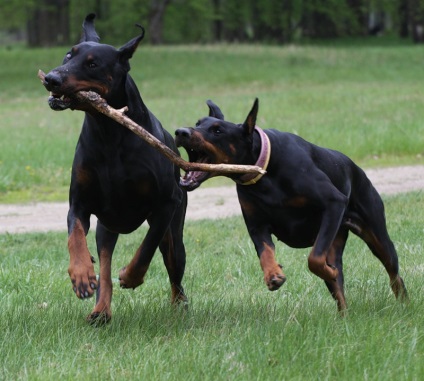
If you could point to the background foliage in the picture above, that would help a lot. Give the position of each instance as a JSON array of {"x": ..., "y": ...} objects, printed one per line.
[
  {"x": 53, "y": 22},
  {"x": 362, "y": 99}
]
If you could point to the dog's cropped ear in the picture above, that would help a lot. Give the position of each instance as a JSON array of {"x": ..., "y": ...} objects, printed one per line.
[
  {"x": 89, "y": 32},
  {"x": 214, "y": 110},
  {"x": 127, "y": 51},
  {"x": 250, "y": 121}
]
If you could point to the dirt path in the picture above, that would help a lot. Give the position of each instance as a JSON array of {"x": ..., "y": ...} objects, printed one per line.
[{"x": 203, "y": 203}]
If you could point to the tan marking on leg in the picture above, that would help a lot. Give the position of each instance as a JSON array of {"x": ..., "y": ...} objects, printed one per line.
[
  {"x": 132, "y": 276},
  {"x": 396, "y": 282},
  {"x": 177, "y": 296},
  {"x": 273, "y": 275},
  {"x": 318, "y": 265},
  {"x": 102, "y": 312},
  {"x": 336, "y": 284},
  {"x": 81, "y": 269},
  {"x": 399, "y": 289}
]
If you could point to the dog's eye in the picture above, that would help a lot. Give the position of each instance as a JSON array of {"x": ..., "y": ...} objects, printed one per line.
[
  {"x": 68, "y": 56},
  {"x": 216, "y": 130},
  {"x": 92, "y": 65}
]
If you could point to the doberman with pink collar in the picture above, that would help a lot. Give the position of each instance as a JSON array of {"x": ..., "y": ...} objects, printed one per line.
[
  {"x": 309, "y": 197},
  {"x": 116, "y": 175}
]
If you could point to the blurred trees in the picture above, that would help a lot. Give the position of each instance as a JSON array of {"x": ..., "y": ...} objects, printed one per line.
[
  {"x": 53, "y": 22},
  {"x": 48, "y": 24}
]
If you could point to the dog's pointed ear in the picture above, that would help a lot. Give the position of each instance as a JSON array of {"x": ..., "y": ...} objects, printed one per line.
[
  {"x": 250, "y": 122},
  {"x": 89, "y": 32},
  {"x": 127, "y": 51},
  {"x": 214, "y": 110}
]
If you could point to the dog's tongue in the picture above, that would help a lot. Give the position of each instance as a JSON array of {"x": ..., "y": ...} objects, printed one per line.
[
  {"x": 190, "y": 181},
  {"x": 187, "y": 181}
]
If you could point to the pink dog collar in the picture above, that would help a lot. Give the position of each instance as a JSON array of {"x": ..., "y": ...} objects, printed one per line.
[{"x": 263, "y": 160}]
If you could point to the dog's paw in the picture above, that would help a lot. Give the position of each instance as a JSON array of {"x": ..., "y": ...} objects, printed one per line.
[
  {"x": 178, "y": 297},
  {"x": 98, "y": 319},
  {"x": 275, "y": 281},
  {"x": 127, "y": 281},
  {"x": 84, "y": 282}
]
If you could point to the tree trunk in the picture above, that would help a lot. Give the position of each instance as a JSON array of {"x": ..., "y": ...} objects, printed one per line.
[
  {"x": 287, "y": 14},
  {"x": 403, "y": 19},
  {"x": 217, "y": 21},
  {"x": 322, "y": 26},
  {"x": 360, "y": 12},
  {"x": 49, "y": 24},
  {"x": 157, "y": 11},
  {"x": 416, "y": 16}
]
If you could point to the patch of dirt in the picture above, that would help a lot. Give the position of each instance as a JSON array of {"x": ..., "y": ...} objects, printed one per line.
[{"x": 204, "y": 203}]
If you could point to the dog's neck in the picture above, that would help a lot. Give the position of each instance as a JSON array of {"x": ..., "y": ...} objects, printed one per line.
[{"x": 262, "y": 161}]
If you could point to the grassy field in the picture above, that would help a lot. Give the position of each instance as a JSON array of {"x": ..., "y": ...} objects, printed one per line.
[
  {"x": 363, "y": 100},
  {"x": 234, "y": 328}
]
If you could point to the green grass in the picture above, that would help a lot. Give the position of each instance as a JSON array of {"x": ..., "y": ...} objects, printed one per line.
[
  {"x": 362, "y": 99},
  {"x": 234, "y": 328}
]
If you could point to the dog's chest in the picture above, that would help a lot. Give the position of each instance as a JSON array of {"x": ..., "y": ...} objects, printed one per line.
[
  {"x": 118, "y": 179},
  {"x": 294, "y": 220}
]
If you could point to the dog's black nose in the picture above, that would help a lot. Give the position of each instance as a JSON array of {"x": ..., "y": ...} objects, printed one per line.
[
  {"x": 183, "y": 132},
  {"x": 52, "y": 81}
]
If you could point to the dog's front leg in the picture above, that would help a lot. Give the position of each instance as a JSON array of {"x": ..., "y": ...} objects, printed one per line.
[
  {"x": 259, "y": 233},
  {"x": 81, "y": 269},
  {"x": 330, "y": 224},
  {"x": 273, "y": 274},
  {"x": 106, "y": 242}
]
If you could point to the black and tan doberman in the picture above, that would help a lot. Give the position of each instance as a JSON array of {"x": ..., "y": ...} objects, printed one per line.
[
  {"x": 309, "y": 197},
  {"x": 116, "y": 176}
]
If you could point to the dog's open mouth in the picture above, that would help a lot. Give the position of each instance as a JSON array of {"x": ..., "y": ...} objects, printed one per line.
[
  {"x": 193, "y": 179},
  {"x": 59, "y": 102}
]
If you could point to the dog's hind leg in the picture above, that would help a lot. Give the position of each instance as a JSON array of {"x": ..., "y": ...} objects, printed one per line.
[
  {"x": 371, "y": 228},
  {"x": 335, "y": 259},
  {"x": 330, "y": 225},
  {"x": 132, "y": 275},
  {"x": 173, "y": 253},
  {"x": 382, "y": 247},
  {"x": 106, "y": 242}
]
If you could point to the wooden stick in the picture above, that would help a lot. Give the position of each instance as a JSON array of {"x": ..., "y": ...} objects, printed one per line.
[{"x": 119, "y": 116}]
